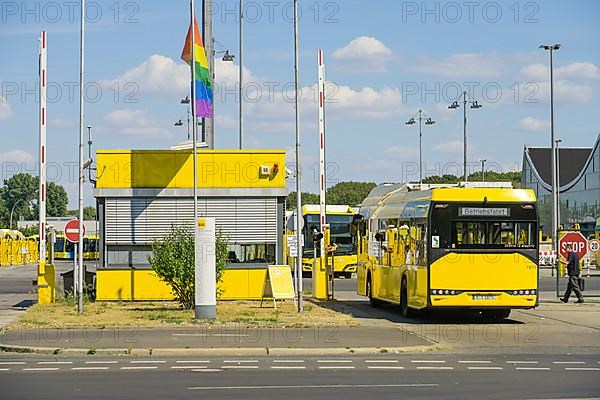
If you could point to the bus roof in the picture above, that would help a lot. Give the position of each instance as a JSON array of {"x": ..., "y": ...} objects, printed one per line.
[
  {"x": 330, "y": 209},
  {"x": 476, "y": 194}
]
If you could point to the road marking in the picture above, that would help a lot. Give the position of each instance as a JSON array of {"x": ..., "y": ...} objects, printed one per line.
[
  {"x": 192, "y": 361},
  {"x": 435, "y": 367},
  {"x": 4, "y": 369},
  {"x": 340, "y": 386},
  {"x": 40, "y": 369},
  {"x": 475, "y": 362},
  {"x": 484, "y": 368},
  {"x": 334, "y": 361},
  {"x": 210, "y": 334},
  {"x": 383, "y": 367},
  {"x": 89, "y": 368},
  {"x": 240, "y": 366},
  {"x": 428, "y": 361},
  {"x": 240, "y": 361},
  {"x": 101, "y": 362},
  {"x": 147, "y": 362},
  {"x": 12, "y": 363},
  {"x": 568, "y": 362},
  {"x": 207, "y": 370},
  {"x": 288, "y": 367},
  {"x": 54, "y": 362},
  {"x": 288, "y": 361},
  {"x": 582, "y": 369},
  {"x": 187, "y": 366},
  {"x": 381, "y": 361},
  {"x": 533, "y": 368},
  {"x": 146, "y": 367},
  {"x": 337, "y": 367},
  {"x": 522, "y": 362}
]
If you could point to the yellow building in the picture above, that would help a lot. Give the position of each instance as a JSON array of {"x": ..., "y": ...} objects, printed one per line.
[{"x": 141, "y": 193}]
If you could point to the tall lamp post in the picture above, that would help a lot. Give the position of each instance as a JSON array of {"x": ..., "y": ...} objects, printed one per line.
[
  {"x": 12, "y": 210},
  {"x": 298, "y": 169},
  {"x": 483, "y": 170},
  {"x": 428, "y": 121},
  {"x": 475, "y": 105},
  {"x": 551, "y": 48}
]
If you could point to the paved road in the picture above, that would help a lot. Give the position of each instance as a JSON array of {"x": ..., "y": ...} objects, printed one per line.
[{"x": 384, "y": 376}]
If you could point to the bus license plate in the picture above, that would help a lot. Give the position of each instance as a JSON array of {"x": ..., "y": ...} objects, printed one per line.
[{"x": 484, "y": 297}]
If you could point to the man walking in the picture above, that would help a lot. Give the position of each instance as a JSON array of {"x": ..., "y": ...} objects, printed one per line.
[{"x": 573, "y": 272}]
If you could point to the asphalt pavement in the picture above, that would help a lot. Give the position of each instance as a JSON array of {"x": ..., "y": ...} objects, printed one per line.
[{"x": 384, "y": 376}]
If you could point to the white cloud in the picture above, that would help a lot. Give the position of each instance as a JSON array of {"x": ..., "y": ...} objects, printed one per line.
[
  {"x": 62, "y": 123},
  {"x": 532, "y": 124},
  {"x": 135, "y": 123},
  {"x": 363, "y": 54},
  {"x": 5, "y": 110},
  {"x": 17, "y": 156},
  {"x": 366, "y": 102},
  {"x": 453, "y": 146},
  {"x": 471, "y": 65},
  {"x": 158, "y": 74},
  {"x": 579, "y": 70}
]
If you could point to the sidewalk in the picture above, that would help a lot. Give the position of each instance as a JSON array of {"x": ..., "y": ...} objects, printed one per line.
[{"x": 201, "y": 340}]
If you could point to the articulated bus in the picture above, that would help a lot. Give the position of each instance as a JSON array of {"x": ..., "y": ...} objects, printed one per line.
[
  {"x": 339, "y": 218},
  {"x": 452, "y": 248},
  {"x": 65, "y": 250}
]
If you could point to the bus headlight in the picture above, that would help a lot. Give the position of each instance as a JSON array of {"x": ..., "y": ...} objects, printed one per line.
[
  {"x": 434, "y": 291},
  {"x": 527, "y": 292},
  {"x": 520, "y": 292}
]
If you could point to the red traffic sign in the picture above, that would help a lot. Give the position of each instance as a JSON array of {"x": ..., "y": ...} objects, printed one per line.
[
  {"x": 577, "y": 240},
  {"x": 72, "y": 231}
]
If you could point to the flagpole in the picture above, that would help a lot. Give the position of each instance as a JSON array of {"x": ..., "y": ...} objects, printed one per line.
[
  {"x": 194, "y": 138},
  {"x": 298, "y": 180},
  {"x": 81, "y": 128}
]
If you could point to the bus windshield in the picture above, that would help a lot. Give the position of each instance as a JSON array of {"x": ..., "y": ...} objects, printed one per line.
[
  {"x": 340, "y": 226},
  {"x": 492, "y": 234}
]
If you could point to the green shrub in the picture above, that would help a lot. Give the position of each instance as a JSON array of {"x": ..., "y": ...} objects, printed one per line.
[{"x": 173, "y": 261}]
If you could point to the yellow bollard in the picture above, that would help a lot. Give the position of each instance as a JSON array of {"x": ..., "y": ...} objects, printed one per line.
[
  {"x": 46, "y": 283},
  {"x": 320, "y": 272}
]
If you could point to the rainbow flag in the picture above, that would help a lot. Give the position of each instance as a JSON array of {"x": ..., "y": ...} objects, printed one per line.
[{"x": 203, "y": 85}]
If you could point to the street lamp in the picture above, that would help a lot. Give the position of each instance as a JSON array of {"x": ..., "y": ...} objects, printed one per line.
[
  {"x": 483, "y": 170},
  {"x": 428, "y": 121},
  {"x": 557, "y": 145},
  {"x": 474, "y": 105},
  {"x": 551, "y": 48},
  {"x": 13, "y": 209}
]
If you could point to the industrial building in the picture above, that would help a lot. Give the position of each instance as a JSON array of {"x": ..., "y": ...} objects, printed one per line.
[{"x": 579, "y": 184}]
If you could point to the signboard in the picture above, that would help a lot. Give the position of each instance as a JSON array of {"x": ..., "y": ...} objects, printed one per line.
[
  {"x": 278, "y": 284},
  {"x": 594, "y": 245},
  {"x": 72, "y": 231},
  {"x": 577, "y": 240},
  {"x": 483, "y": 212},
  {"x": 205, "y": 298},
  {"x": 292, "y": 244}
]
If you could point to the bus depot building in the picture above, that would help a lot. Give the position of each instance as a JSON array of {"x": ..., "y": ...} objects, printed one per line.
[{"x": 141, "y": 194}]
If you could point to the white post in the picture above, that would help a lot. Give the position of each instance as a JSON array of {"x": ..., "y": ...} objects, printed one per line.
[
  {"x": 241, "y": 61},
  {"x": 322, "y": 161},
  {"x": 298, "y": 169},
  {"x": 205, "y": 272},
  {"x": 81, "y": 129},
  {"x": 42, "y": 152}
]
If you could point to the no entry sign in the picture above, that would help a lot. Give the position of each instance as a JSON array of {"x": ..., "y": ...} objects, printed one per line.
[
  {"x": 577, "y": 240},
  {"x": 72, "y": 231}
]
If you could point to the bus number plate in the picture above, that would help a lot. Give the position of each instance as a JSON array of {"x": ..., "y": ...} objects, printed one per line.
[{"x": 484, "y": 297}]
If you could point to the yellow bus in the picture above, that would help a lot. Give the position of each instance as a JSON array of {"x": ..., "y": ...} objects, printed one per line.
[
  {"x": 339, "y": 218},
  {"x": 450, "y": 248},
  {"x": 65, "y": 250}
]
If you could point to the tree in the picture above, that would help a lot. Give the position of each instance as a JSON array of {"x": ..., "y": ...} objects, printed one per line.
[
  {"x": 350, "y": 193},
  {"x": 446, "y": 178},
  {"x": 307, "y": 198},
  {"x": 89, "y": 213},
  {"x": 173, "y": 261},
  {"x": 20, "y": 191},
  {"x": 57, "y": 200}
]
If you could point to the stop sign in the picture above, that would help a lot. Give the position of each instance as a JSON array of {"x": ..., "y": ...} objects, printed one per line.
[
  {"x": 72, "y": 231},
  {"x": 577, "y": 240}
]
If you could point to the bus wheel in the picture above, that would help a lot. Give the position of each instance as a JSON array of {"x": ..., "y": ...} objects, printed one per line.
[
  {"x": 372, "y": 301},
  {"x": 404, "y": 308}
]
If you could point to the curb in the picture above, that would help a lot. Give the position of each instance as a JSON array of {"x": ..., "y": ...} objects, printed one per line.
[{"x": 216, "y": 352}]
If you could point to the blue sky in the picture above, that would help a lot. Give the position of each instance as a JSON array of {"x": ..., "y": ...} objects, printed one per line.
[{"x": 384, "y": 59}]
